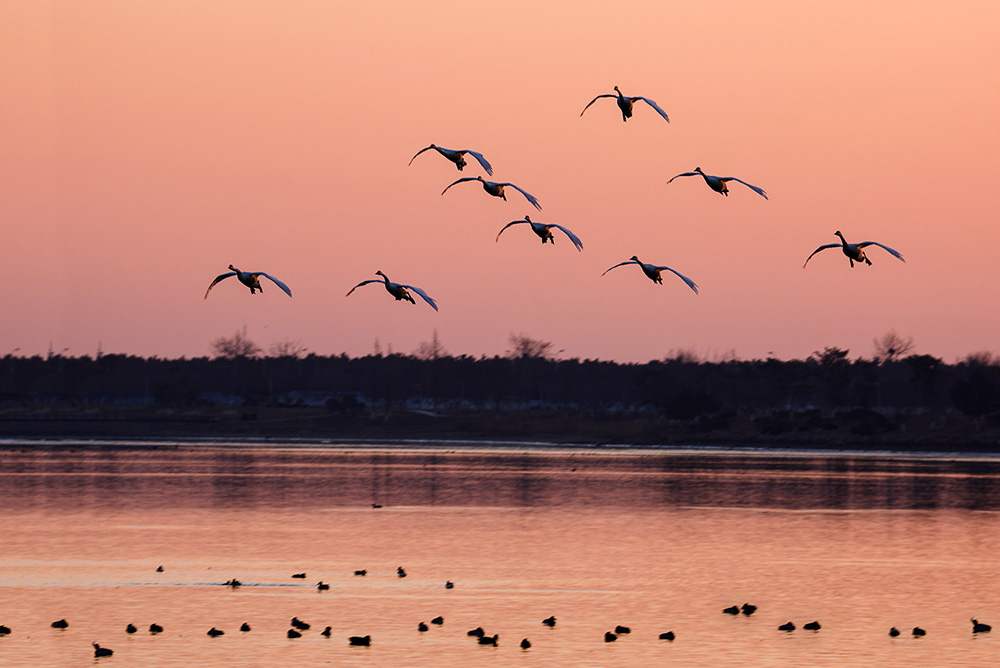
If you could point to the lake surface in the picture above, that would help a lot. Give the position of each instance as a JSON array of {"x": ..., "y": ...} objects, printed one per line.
[{"x": 657, "y": 541}]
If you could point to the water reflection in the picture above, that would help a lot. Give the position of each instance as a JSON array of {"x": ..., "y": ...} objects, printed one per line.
[{"x": 310, "y": 478}]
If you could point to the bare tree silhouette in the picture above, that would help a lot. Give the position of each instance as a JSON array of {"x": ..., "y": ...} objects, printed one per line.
[
  {"x": 523, "y": 346},
  {"x": 237, "y": 346},
  {"x": 891, "y": 347}
]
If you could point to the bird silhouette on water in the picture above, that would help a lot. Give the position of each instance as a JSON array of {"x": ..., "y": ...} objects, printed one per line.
[
  {"x": 438, "y": 620},
  {"x": 59, "y": 624},
  {"x": 326, "y": 632},
  {"x": 811, "y": 626},
  {"x": 918, "y": 632},
  {"x": 244, "y": 627},
  {"x": 669, "y": 635},
  {"x": 362, "y": 572},
  {"x": 422, "y": 627},
  {"x": 155, "y": 628},
  {"x": 299, "y": 624},
  {"x": 787, "y": 626},
  {"x": 731, "y": 610},
  {"x": 609, "y": 636},
  {"x": 893, "y": 632},
  {"x": 214, "y": 632},
  {"x": 4, "y": 630},
  {"x": 292, "y": 633},
  {"x": 101, "y": 651},
  {"x": 322, "y": 586},
  {"x": 979, "y": 627},
  {"x": 748, "y": 609},
  {"x": 476, "y": 632},
  {"x": 620, "y": 630},
  {"x": 549, "y": 621},
  {"x": 488, "y": 640},
  {"x": 299, "y": 576},
  {"x": 400, "y": 572},
  {"x": 525, "y": 643},
  {"x": 130, "y": 628},
  {"x": 360, "y": 641}
]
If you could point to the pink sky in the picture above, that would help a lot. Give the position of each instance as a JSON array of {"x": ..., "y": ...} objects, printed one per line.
[{"x": 147, "y": 145}]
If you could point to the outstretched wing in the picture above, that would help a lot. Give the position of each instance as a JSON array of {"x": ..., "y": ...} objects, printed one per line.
[
  {"x": 531, "y": 198},
  {"x": 595, "y": 100},
  {"x": 482, "y": 161},
  {"x": 418, "y": 153},
  {"x": 513, "y": 222},
  {"x": 217, "y": 279},
  {"x": 685, "y": 174},
  {"x": 423, "y": 294},
  {"x": 620, "y": 264},
  {"x": 654, "y": 106},
  {"x": 370, "y": 280},
  {"x": 759, "y": 191},
  {"x": 691, "y": 284},
  {"x": 464, "y": 178},
  {"x": 823, "y": 247},
  {"x": 275, "y": 281},
  {"x": 892, "y": 251},
  {"x": 572, "y": 237}
]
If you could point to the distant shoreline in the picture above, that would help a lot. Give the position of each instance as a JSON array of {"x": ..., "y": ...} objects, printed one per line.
[{"x": 488, "y": 446}]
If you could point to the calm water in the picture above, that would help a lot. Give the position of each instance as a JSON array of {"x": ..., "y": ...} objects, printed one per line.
[{"x": 657, "y": 542}]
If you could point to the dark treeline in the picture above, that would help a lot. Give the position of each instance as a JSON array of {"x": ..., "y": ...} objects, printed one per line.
[{"x": 709, "y": 394}]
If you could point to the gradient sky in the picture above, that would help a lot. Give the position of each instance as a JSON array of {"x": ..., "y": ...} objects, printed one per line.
[{"x": 147, "y": 145}]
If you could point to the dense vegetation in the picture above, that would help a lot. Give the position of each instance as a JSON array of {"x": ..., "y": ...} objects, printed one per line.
[{"x": 827, "y": 398}]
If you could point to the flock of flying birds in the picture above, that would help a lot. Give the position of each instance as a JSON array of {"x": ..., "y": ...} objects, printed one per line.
[{"x": 626, "y": 104}]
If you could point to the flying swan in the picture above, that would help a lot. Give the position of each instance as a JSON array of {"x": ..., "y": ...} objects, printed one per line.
[
  {"x": 854, "y": 252},
  {"x": 625, "y": 104},
  {"x": 398, "y": 290},
  {"x": 251, "y": 279},
  {"x": 496, "y": 189},
  {"x": 457, "y": 157},
  {"x": 718, "y": 183},
  {"x": 544, "y": 231},
  {"x": 652, "y": 272}
]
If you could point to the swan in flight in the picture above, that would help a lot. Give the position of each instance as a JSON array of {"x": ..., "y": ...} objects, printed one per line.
[
  {"x": 496, "y": 189},
  {"x": 854, "y": 252},
  {"x": 652, "y": 272},
  {"x": 625, "y": 104},
  {"x": 397, "y": 290},
  {"x": 457, "y": 157},
  {"x": 718, "y": 183},
  {"x": 251, "y": 279},
  {"x": 544, "y": 230}
]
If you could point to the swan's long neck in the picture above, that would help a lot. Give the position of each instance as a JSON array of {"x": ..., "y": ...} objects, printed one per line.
[
  {"x": 386, "y": 279},
  {"x": 842, "y": 239}
]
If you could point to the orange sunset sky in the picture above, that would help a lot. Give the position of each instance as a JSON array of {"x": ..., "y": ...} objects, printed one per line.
[{"x": 148, "y": 144}]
